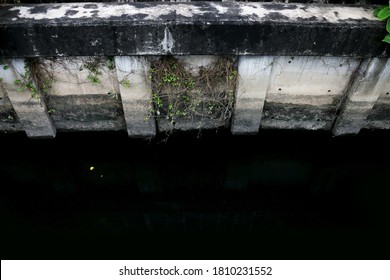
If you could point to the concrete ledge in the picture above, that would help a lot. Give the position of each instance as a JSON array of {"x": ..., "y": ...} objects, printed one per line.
[{"x": 117, "y": 29}]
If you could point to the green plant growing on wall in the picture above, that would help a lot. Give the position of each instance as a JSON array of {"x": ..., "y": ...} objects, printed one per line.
[
  {"x": 383, "y": 13},
  {"x": 4, "y": 67},
  {"x": 26, "y": 84},
  {"x": 27, "y": 80},
  {"x": 125, "y": 82},
  {"x": 179, "y": 94},
  {"x": 110, "y": 63},
  {"x": 92, "y": 65},
  {"x": 96, "y": 66},
  {"x": 35, "y": 79}
]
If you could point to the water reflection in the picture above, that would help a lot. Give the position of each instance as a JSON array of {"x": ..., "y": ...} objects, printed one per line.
[{"x": 277, "y": 185}]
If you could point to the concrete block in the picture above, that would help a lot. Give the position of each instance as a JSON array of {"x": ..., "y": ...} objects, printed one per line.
[
  {"x": 294, "y": 78},
  {"x": 251, "y": 89},
  {"x": 371, "y": 81},
  {"x": 81, "y": 76},
  {"x": 297, "y": 116},
  {"x": 304, "y": 92},
  {"x": 84, "y": 94},
  {"x": 9, "y": 120},
  {"x": 135, "y": 88},
  {"x": 27, "y": 100},
  {"x": 90, "y": 112}
]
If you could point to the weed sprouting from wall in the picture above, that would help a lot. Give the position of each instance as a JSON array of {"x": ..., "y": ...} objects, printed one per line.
[
  {"x": 42, "y": 77},
  {"x": 35, "y": 79},
  {"x": 94, "y": 72},
  {"x": 95, "y": 67},
  {"x": 181, "y": 95}
]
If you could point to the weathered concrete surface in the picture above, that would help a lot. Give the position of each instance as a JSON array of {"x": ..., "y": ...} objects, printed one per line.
[
  {"x": 135, "y": 88},
  {"x": 305, "y": 92},
  {"x": 9, "y": 121},
  {"x": 297, "y": 116},
  {"x": 371, "y": 81},
  {"x": 31, "y": 110},
  {"x": 279, "y": 92},
  {"x": 81, "y": 76},
  {"x": 86, "y": 112},
  {"x": 254, "y": 74},
  {"x": 84, "y": 94},
  {"x": 186, "y": 124},
  {"x": 379, "y": 117},
  {"x": 79, "y": 29}
]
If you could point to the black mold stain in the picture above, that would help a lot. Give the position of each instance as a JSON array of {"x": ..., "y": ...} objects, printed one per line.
[
  {"x": 141, "y": 5},
  {"x": 85, "y": 108},
  {"x": 276, "y": 16},
  {"x": 90, "y": 6},
  {"x": 141, "y": 16},
  {"x": 297, "y": 113},
  {"x": 310, "y": 19},
  {"x": 279, "y": 7},
  {"x": 38, "y": 9},
  {"x": 71, "y": 12},
  {"x": 380, "y": 112},
  {"x": 9, "y": 14},
  {"x": 303, "y": 9},
  {"x": 168, "y": 18}
]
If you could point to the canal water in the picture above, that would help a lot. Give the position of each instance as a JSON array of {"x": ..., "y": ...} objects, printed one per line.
[{"x": 276, "y": 195}]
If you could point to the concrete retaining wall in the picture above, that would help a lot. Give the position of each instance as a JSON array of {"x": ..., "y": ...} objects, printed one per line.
[{"x": 288, "y": 66}]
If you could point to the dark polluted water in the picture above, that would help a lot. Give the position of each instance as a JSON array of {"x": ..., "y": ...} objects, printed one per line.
[{"x": 276, "y": 195}]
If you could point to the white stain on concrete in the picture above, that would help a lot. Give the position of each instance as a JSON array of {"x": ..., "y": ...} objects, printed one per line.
[
  {"x": 221, "y": 9},
  {"x": 194, "y": 63},
  {"x": 106, "y": 11},
  {"x": 253, "y": 10},
  {"x": 168, "y": 41},
  {"x": 96, "y": 42},
  {"x": 307, "y": 79},
  {"x": 325, "y": 13}
]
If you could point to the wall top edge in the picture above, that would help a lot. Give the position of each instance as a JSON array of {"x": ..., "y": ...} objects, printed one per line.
[{"x": 234, "y": 12}]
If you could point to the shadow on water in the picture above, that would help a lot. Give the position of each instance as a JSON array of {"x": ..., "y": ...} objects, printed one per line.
[{"x": 279, "y": 194}]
